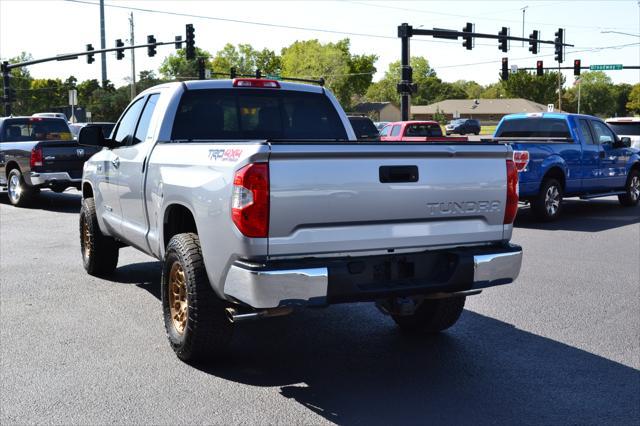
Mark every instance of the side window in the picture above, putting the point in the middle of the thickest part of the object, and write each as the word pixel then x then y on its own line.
pixel 385 131
pixel 585 132
pixel 395 131
pixel 602 132
pixel 145 119
pixel 127 124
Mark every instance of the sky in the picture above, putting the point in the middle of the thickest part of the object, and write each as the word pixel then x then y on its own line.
pixel 603 32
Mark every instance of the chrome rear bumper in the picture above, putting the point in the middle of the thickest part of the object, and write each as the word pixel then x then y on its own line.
pixel 51 178
pixel 264 287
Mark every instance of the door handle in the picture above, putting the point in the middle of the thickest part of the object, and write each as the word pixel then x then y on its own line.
pixel 116 162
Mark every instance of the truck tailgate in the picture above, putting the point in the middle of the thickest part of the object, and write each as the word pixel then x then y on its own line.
pixel 341 198
pixel 64 156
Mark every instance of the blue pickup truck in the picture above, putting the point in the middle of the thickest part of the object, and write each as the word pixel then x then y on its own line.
pixel 569 155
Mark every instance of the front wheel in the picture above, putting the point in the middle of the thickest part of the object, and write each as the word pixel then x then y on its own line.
pixel 194 317
pixel 20 194
pixel 432 315
pixel 632 190
pixel 546 206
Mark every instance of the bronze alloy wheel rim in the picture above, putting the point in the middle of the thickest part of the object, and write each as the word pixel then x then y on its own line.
pixel 178 297
pixel 86 239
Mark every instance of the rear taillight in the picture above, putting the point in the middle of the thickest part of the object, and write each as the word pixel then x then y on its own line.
pixel 36 158
pixel 511 207
pixel 250 200
pixel 256 82
pixel 521 158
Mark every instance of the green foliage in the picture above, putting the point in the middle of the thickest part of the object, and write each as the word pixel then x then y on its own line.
pixel 440 117
pixel 246 60
pixel 529 86
pixel 597 95
pixel 333 62
pixel 633 104
pixel 176 66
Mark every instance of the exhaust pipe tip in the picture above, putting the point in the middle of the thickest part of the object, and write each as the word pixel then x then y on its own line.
pixel 233 315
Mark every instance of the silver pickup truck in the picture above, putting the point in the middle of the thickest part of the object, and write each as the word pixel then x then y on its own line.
pixel 257 198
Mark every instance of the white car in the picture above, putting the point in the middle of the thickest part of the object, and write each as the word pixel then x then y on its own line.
pixel 51 115
pixel 626 127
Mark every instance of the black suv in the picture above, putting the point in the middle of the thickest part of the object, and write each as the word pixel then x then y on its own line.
pixel 364 128
pixel 463 126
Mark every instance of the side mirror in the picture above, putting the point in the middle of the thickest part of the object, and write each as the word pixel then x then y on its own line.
pixel 91 135
pixel 625 141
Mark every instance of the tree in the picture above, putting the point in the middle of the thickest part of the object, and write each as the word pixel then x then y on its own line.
pixel 430 87
pixel 334 63
pixel 177 67
pixel 597 96
pixel 633 105
pixel 621 93
pixel 245 59
pixel 21 84
pixel 493 91
pixel 471 88
pixel 525 85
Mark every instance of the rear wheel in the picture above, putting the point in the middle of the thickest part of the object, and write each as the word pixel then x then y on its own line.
pixel 20 194
pixel 546 206
pixel 432 315
pixel 99 252
pixel 194 317
pixel 632 188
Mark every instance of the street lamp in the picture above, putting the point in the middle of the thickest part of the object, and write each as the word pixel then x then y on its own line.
pixel 524 9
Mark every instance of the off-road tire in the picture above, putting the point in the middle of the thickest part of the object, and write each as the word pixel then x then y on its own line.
pixel 631 197
pixel 432 315
pixel 99 251
pixel 208 330
pixel 23 194
pixel 540 206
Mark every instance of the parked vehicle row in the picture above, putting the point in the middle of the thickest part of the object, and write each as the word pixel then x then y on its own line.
pixel 258 198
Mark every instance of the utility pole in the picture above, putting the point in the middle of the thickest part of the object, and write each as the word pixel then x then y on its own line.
pixel 133 60
pixel 559 88
pixel 103 46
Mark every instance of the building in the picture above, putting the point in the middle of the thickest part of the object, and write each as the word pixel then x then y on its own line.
pixel 378 111
pixel 488 111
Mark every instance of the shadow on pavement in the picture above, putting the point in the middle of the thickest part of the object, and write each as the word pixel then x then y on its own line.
pixel 65 202
pixel 350 364
pixel 583 216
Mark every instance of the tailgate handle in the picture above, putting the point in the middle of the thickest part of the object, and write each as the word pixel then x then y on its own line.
pixel 395 174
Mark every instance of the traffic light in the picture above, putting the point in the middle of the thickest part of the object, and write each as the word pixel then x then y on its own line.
pixel 539 69
pixel 576 66
pixel 232 73
pixel 468 38
pixel 178 42
pixel 90 58
pixel 558 43
pixel 191 42
pixel 533 42
pixel 201 68
pixel 119 52
pixel 505 69
pixel 151 50
pixel 502 39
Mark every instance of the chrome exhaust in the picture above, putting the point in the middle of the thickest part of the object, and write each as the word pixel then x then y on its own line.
pixel 234 316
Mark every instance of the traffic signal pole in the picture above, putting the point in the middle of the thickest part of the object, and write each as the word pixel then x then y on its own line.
pixel 6 90
pixel 405 95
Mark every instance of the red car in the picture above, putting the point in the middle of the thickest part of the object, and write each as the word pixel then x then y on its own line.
pixel 416 131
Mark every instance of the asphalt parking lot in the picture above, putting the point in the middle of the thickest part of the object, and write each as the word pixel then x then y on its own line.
pixel 559 346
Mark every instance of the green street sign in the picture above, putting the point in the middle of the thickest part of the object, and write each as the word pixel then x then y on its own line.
pixel 608 67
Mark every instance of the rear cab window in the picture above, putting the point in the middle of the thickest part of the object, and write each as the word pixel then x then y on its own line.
pixel 232 114
pixel 423 130
pixel 534 127
pixel 35 129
